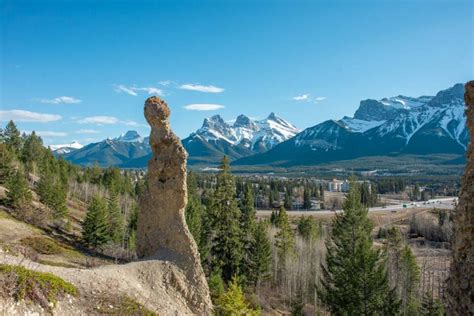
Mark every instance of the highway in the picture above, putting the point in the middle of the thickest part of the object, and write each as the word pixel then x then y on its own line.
pixel 442 203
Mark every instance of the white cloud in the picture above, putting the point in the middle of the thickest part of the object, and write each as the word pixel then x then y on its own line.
pixel 201 88
pixel 121 88
pixel 134 89
pixel 27 116
pixel 50 134
pixel 61 100
pixel 320 99
pixel 165 83
pixel 87 131
pixel 303 97
pixel 133 123
pixel 203 107
pixel 99 120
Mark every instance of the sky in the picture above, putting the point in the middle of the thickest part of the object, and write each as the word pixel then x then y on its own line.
pixel 81 70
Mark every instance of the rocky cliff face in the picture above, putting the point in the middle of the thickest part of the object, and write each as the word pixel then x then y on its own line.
pixel 162 231
pixel 461 281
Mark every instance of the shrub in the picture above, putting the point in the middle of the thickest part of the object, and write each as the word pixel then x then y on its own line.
pixel 38 287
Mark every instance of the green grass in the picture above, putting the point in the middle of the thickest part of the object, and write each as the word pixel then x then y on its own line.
pixel 38 287
pixel 43 245
pixel 124 305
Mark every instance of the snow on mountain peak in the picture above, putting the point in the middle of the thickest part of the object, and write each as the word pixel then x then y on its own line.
pixel 130 136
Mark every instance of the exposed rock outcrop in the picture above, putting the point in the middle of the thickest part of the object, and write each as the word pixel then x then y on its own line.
pixel 162 231
pixel 461 280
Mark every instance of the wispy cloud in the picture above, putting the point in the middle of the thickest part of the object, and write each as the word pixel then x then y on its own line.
pixel 319 99
pixel 61 100
pixel 27 116
pixel 133 123
pixel 203 107
pixel 133 90
pixel 201 88
pixel 303 97
pixel 50 134
pixel 99 120
pixel 307 98
pixel 87 131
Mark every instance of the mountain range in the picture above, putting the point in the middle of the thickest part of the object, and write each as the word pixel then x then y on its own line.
pixel 390 126
pixel 240 138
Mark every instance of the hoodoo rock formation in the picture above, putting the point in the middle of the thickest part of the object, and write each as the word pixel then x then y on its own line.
pixel 162 231
pixel 461 280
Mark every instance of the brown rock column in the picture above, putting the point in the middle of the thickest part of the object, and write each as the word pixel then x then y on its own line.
pixel 162 231
pixel 461 280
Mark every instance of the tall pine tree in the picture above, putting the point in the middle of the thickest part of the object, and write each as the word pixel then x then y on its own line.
pixel 226 244
pixel 194 208
pixel 95 230
pixel 354 278
pixel 18 194
pixel 259 266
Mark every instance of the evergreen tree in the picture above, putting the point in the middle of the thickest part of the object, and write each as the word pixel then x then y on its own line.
pixel 288 199
pixel 31 151
pixel 194 208
pixel 284 239
pixel 354 278
pixel 260 256
pixel 307 199
pixel 94 228
pixel 248 226
pixel 226 244
pixel 408 285
pixel 431 306
pixel 52 193
pixel 233 301
pixel 12 137
pixel 18 194
pixel 216 284
pixel 115 219
pixel 6 163
pixel 307 228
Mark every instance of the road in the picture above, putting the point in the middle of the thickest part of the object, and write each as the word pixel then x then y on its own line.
pixel 442 203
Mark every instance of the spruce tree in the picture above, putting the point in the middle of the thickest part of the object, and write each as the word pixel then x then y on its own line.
pixel 307 228
pixel 408 283
pixel 6 163
pixel 288 199
pixel 115 219
pixel 12 137
pixel 31 151
pixel 354 278
pixel 194 208
pixel 307 199
pixel 233 301
pixel 18 194
pixel 247 226
pixel 226 244
pixel 285 238
pixel 95 230
pixel 260 256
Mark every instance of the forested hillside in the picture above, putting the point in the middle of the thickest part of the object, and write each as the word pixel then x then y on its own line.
pixel 254 265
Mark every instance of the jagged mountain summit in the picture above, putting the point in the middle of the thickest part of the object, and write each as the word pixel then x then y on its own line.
pixel 390 126
pixel 241 138
pixel 111 151
pixel 65 148
pixel 208 144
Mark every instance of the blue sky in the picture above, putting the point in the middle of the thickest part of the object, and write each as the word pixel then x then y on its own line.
pixel 81 70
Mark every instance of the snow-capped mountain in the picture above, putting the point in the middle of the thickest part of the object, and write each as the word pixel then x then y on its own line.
pixel 111 151
pixel 65 148
pixel 397 125
pixel 241 138
pixel 130 137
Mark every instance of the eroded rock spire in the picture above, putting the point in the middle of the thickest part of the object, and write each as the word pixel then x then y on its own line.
pixel 461 280
pixel 162 231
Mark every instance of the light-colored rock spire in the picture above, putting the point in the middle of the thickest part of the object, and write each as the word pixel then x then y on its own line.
pixel 162 231
pixel 461 280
